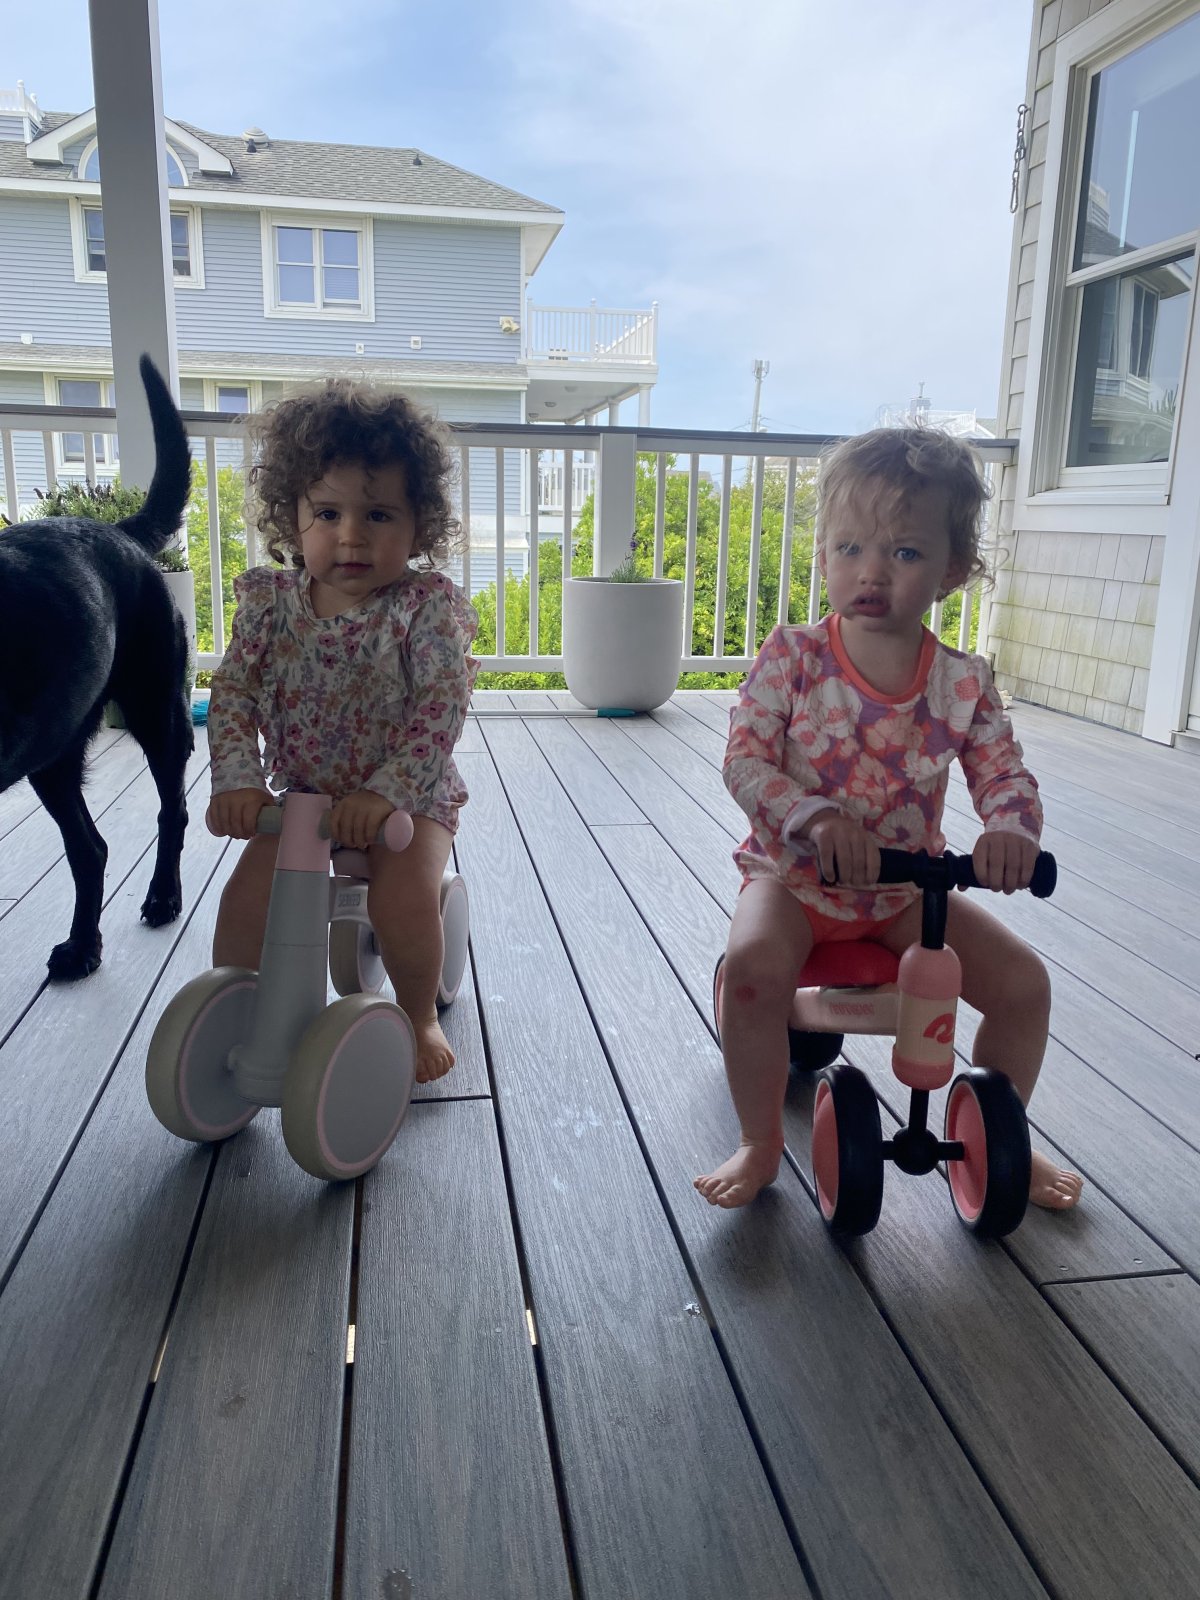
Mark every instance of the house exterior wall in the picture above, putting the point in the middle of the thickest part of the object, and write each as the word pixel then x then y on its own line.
pixel 1073 613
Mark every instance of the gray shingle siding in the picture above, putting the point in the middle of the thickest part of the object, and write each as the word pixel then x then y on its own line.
pixel 38 292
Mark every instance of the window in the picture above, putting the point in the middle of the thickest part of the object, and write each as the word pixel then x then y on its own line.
pixel 75 392
pixel 317 270
pixel 186 264
pixel 233 399
pixel 1133 264
pixel 89 169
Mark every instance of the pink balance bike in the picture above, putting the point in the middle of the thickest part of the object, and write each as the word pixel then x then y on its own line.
pixel 862 987
pixel 232 1041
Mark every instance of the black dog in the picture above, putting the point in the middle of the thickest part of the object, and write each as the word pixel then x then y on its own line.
pixel 86 617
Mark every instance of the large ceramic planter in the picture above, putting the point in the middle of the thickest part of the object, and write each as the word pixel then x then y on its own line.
pixel 622 642
pixel 183 591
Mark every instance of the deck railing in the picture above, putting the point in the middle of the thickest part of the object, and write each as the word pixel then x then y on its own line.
pixel 591 334
pixel 502 490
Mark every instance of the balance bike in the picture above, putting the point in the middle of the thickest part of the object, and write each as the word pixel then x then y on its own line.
pixel 862 987
pixel 232 1040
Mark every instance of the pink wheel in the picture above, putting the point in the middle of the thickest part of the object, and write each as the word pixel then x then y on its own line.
pixel 847 1151
pixel 989 1183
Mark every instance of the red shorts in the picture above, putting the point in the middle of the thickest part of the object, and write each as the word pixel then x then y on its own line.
pixel 833 930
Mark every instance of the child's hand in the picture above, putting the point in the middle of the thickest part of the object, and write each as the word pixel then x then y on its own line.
pixel 235 815
pixel 1004 861
pixel 356 820
pixel 845 851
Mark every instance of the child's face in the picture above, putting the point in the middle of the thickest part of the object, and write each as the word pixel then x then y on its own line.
pixel 883 573
pixel 357 530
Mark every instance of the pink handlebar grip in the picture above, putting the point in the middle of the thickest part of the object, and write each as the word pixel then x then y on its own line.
pixel 396 833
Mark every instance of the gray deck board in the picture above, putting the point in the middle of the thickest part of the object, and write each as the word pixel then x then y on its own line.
pixel 810 1353
pixel 717 1403
pixel 450 1480
pixel 636 1386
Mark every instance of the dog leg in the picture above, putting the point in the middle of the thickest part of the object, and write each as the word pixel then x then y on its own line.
pixel 166 736
pixel 60 789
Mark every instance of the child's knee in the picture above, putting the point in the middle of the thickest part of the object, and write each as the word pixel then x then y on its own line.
pixel 758 972
pixel 1025 984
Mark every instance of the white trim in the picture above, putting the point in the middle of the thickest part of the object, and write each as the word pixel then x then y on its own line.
pixel 330 205
pixel 76 469
pixel 48 147
pixel 84 274
pixel 269 220
pixel 396 367
pixel 252 386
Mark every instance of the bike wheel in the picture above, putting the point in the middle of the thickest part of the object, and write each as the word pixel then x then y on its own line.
pixel 989 1185
pixel 188 1079
pixel 355 964
pixel 847 1150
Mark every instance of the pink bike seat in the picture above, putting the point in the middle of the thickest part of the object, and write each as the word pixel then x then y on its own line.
pixel 856 964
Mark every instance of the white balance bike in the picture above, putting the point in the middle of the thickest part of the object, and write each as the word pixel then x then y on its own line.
pixel 232 1040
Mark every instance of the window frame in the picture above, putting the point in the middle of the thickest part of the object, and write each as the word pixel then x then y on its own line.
pixel 85 274
pixel 273 307
pixel 52 384
pixel 1045 482
pixel 252 386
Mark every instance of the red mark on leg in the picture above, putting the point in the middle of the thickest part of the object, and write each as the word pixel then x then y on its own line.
pixel 745 992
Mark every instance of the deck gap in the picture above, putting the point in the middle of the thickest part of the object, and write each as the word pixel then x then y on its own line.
pixel 1115 1277
pixel 543 1382
pixel 337 1579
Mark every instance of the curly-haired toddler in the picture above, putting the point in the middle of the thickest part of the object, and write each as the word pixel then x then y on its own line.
pixel 354 665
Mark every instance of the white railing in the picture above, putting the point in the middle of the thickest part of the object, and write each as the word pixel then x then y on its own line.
pixel 591 334
pixel 16 103
pixel 551 484
pixel 768 476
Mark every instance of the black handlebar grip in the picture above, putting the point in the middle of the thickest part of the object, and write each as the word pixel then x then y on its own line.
pixel 909 866
pixel 1045 876
pixel 900 866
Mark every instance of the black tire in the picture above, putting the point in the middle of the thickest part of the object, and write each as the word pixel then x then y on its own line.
pixel 990 1186
pixel 847 1151
pixel 812 1052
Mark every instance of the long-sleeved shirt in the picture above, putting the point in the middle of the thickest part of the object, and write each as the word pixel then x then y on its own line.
pixel 809 732
pixel 373 698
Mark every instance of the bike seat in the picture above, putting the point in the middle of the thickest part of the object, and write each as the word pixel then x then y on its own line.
pixel 856 964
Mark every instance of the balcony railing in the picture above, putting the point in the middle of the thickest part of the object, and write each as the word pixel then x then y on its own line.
pixel 582 334
pixel 509 475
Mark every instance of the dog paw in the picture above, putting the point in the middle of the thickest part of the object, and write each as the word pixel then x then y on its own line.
pixel 73 959
pixel 159 909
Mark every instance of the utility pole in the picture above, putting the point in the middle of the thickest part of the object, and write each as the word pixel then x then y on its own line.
pixel 761 368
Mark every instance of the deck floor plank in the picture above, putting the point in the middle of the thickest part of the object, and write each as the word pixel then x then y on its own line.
pixel 450 1482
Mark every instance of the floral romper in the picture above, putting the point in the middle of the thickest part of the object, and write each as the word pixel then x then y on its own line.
pixel 373 698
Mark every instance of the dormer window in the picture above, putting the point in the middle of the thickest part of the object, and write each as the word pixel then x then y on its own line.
pixel 89 167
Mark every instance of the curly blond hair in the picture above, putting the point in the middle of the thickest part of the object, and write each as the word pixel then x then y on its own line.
pixel 881 471
pixel 346 422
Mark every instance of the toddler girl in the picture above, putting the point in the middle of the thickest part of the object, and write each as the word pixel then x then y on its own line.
pixel 354 666
pixel 841 742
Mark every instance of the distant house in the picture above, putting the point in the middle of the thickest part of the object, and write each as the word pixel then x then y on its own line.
pixel 292 260
pixel 1098 612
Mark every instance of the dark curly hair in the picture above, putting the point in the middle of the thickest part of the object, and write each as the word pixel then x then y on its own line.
pixel 346 422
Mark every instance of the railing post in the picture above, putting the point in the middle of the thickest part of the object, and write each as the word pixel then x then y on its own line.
pixel 616 501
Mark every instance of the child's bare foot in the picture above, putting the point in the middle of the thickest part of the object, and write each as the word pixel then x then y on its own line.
pixel 1053 1186
pixel 738 1180
pixel 434 1055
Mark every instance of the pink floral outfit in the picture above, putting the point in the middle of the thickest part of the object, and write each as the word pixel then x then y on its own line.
pixel 809 732
pixel 373 698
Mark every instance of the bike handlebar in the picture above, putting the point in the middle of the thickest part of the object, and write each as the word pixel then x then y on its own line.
pixel 953 871
pixel 396 833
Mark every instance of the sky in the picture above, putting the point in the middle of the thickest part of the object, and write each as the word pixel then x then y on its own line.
pixel 822 184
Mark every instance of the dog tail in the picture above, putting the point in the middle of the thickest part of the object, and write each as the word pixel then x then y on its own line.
pixel 156 524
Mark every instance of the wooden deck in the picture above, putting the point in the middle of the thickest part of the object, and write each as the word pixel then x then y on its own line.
pixel 717 1404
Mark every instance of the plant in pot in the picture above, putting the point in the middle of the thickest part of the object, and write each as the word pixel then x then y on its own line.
pixel 113 502
pixel 622 637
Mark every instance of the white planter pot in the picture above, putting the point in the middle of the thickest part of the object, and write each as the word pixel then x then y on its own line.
pixel 183 591
pixel 622 642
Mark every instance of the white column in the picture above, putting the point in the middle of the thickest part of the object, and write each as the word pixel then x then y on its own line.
pixel 616 491
pixel 137 242
pixel 644 406
pixel 614 414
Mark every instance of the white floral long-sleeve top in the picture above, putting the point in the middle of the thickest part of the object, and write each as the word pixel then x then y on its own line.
pixel 373 698
pixel 809 732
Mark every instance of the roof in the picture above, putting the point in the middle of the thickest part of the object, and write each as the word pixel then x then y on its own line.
pixel 289 167
pixel 242 364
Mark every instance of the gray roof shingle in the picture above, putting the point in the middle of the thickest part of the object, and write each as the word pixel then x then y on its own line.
pixel 308 171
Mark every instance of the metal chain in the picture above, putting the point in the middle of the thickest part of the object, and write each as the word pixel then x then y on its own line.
pixel 1019 155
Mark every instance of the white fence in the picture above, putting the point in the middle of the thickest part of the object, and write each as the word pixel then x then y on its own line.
pixel 591 333
pixel 489 455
